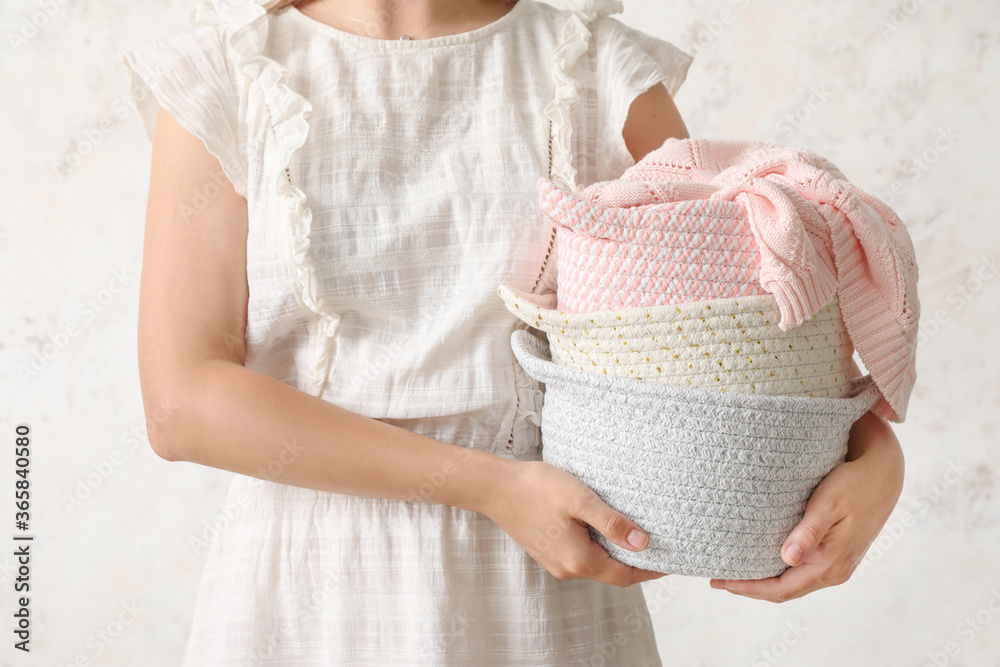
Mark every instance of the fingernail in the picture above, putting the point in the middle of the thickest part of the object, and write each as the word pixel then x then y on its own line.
pixel 794 553
pixel 732 586
pixel 636 538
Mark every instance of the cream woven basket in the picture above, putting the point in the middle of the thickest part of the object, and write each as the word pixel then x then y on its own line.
pixel 723 344
pixel 717 479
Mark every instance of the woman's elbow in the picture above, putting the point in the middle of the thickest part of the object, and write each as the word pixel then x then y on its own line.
pixel 162 413
pixel 169 401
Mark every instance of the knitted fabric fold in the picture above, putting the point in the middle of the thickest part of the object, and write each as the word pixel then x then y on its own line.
pixel 815 236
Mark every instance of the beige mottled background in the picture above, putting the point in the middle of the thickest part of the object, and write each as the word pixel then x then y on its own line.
pixel 902 96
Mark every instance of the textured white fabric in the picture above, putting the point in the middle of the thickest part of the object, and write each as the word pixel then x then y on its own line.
pixel 390 188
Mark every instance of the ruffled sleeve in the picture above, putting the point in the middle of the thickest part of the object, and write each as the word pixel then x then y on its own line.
pixel 629 62
pixel 189 75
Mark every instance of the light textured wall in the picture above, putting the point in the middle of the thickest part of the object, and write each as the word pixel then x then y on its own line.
pixel 898 95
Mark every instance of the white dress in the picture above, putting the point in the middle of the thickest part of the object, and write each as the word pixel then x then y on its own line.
pixel 391 189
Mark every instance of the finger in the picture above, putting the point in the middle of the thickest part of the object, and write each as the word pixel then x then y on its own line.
pixel 805 538
pixel 792 583
pixel 610 571
pixel 613 524
pixel 650 574
pixel 641 575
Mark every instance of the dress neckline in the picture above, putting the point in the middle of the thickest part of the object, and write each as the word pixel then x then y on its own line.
pixel 431 42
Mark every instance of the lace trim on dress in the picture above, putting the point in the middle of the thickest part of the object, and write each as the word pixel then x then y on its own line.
pixel 289 112
pixel 574 40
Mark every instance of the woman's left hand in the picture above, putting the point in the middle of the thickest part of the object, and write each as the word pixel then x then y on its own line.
pixel 843 517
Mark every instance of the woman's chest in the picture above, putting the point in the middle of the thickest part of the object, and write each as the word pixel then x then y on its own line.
pixel 425 130
pixel 422 179
pixel 417 174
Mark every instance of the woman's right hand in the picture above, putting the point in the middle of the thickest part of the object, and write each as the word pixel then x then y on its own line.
pixel 546 510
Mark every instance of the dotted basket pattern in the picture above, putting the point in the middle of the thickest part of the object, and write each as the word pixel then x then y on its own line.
pixel 723 344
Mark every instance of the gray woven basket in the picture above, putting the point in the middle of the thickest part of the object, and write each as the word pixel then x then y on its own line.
pixel 717 479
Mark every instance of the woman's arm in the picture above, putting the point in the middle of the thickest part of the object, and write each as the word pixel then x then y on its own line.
pixel 872 434
pixel 213 410
pixel 652 119
pixel 208 408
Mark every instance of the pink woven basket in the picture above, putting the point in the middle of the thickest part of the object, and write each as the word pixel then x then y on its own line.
pixel 658 254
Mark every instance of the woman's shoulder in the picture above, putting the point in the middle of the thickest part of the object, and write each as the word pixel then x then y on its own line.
pixel 245 42
pixel 594 16
pixel 203 77
pixel 599 29
pixel 199 56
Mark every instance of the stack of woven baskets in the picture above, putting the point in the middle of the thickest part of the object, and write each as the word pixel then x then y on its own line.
pixel 672 391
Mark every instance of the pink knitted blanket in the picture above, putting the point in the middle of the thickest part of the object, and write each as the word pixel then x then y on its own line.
pixel 747 218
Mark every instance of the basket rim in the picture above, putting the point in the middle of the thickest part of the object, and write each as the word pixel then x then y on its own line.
pixel 534 357
pixel 545 315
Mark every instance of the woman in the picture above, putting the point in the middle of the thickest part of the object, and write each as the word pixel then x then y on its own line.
pixel 337 188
